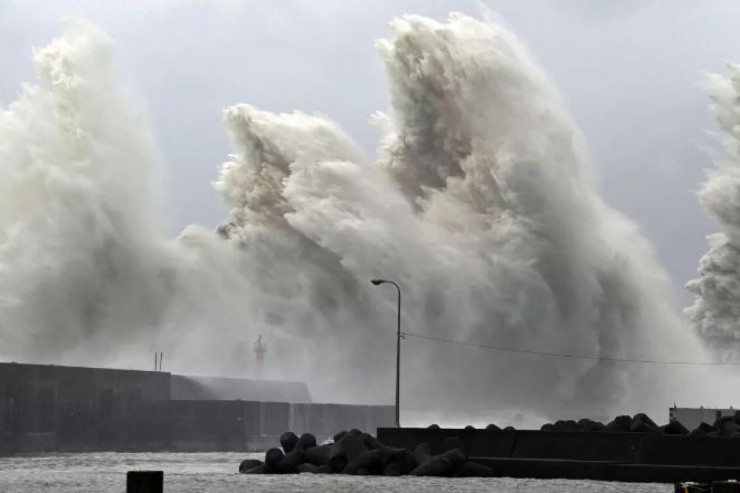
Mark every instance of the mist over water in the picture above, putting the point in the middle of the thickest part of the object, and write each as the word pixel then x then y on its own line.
pixel 479 204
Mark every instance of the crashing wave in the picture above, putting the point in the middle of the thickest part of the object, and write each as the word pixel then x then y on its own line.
pixel 479 205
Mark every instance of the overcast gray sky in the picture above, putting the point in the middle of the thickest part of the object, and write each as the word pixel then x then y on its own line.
pixel 629 71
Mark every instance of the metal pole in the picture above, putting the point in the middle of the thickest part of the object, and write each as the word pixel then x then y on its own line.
pixel 398 362
pixel 377 282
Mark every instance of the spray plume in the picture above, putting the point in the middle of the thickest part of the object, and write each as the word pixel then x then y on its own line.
pixel 715 314
pixel 479 205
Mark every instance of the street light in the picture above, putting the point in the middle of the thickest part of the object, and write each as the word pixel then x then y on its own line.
pixel 378 282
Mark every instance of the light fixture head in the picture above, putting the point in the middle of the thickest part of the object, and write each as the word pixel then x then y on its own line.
pixel 377 282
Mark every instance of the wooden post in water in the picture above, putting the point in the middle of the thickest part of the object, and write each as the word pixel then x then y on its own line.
pixel 144 482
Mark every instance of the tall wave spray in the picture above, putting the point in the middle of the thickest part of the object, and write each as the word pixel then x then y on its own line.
pixel 478 205
pixel 715 314
pixel 77 243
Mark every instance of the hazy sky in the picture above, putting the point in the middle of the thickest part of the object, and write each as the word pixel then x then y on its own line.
pixel 628 70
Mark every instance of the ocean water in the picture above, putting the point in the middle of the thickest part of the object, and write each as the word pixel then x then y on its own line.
pixel 217 472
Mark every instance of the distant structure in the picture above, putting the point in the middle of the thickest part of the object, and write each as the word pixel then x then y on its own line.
pixel 691 417
pixel 259 350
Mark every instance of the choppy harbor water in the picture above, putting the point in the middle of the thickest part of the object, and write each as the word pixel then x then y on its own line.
pixel 217 472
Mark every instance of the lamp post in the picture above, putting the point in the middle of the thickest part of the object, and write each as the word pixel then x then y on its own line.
pixel 378 282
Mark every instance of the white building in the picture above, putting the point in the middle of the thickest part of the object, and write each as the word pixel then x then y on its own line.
pixel 691 417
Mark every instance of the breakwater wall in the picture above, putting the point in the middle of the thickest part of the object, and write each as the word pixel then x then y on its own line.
pixel 46 408
pixel 257 426
pixel 57 408
pixel 606 456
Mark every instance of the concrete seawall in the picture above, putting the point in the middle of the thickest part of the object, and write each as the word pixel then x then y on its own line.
pixel 606 456
pixel 78 409
pixel 255 426
pixel 46 408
